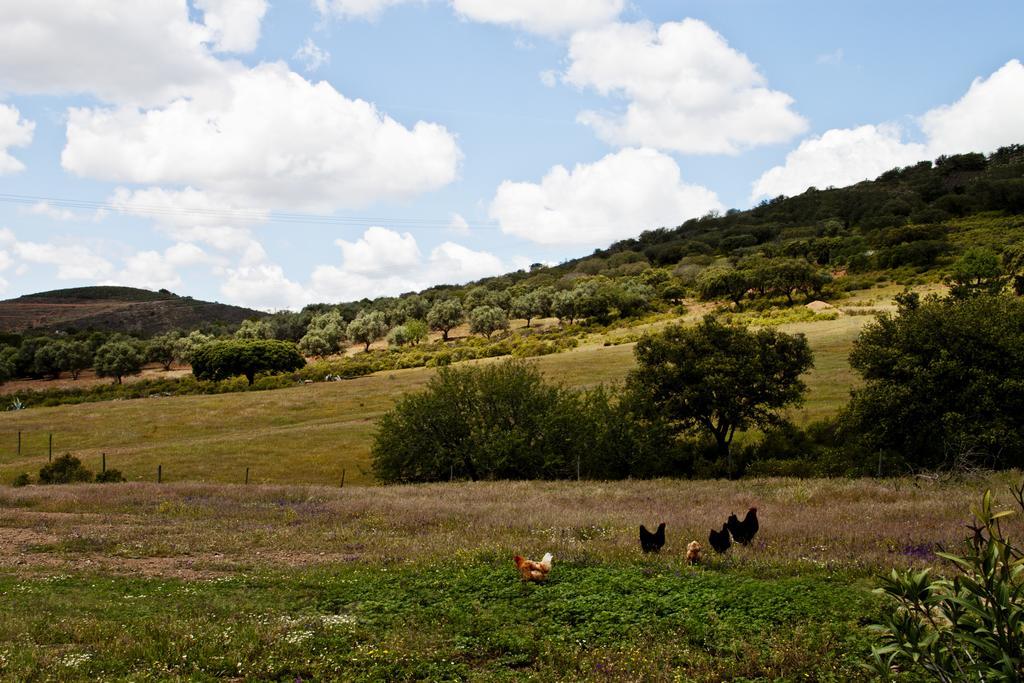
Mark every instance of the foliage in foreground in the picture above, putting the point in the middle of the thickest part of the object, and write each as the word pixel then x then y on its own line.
pixel 467 620
pixel 968 628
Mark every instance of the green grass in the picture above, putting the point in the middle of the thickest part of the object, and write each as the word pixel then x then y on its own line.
pixel 472 619
pixel 311 433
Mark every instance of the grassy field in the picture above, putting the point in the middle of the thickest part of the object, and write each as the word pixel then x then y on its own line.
pixel 227 582
pixel 311 433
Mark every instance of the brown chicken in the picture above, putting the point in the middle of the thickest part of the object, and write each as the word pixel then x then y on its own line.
pixel 529 570
pixel 693 551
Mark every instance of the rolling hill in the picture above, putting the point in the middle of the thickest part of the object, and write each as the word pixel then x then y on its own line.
pixel 116 309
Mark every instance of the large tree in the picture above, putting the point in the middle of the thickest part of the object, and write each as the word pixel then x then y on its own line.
pixel 232 357
pixel 487 320
pixel 944 382
pixel 720 379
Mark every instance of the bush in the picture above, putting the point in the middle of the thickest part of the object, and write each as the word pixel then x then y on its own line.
pixel 110 476
pixel 67 469
pixel 499 421
pixel 967 628
pixel 22 480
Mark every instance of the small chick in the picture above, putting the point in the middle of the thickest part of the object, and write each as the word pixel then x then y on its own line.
pixel 693 551
pixel 533 571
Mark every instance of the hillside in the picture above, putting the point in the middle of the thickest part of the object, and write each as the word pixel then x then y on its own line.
pixel 115 309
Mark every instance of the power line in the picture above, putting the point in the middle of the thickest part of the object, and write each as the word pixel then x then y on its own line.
pixel 241 215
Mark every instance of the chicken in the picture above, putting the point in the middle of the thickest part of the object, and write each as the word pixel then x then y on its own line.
pixel 530 570
pixel 651 543
pixel 719 540
pixel 693 551
pixel 743 532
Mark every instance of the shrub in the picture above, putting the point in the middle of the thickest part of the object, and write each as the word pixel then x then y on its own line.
pixel 968 628
pixel 110 476
pixel 22 480
pixel 67 469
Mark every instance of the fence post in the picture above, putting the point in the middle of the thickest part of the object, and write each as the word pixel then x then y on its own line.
pixel 51 447
pixel 577 467
pixel 19 443
pixel 246 475
pixel 104 465
pixel 342 479
pixel 159 473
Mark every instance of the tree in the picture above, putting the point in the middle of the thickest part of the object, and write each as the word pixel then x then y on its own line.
pixel 724 283
pixel 330 326
pixel 232 357
pixel 978 271
pixel 496 421
pixel 564 306
pixel 186 346
pixel 50 359
pixel 416 331
pixel 8 363
pixel 315 344
pixel 160 349
pixel 720 379
pixel 943 383
pixel 254 329
pixel 77 357
pixel 367 328
pixel 487 320
pixel 118 359
pixel 444 315
pixel 1013 264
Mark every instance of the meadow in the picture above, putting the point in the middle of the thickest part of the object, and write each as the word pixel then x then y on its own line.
pixel 311 434
pixel 192 581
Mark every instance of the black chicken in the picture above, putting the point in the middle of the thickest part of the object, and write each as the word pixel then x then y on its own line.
pixel 743 532
pixel 719 540
pixel 651 543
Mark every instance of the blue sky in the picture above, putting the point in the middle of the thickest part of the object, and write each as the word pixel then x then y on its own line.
pixel 272 154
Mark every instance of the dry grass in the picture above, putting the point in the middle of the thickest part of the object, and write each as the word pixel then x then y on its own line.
pixel 202 529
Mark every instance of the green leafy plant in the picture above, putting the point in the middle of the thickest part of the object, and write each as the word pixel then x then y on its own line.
pixel 966 628
pixel 111 476
pixel 21 480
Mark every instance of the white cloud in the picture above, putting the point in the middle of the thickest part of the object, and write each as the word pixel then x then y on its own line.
pixel 119 51
pixel 459 224
pixel 73 261
pixel 312 56
pixel 839 157
pixel 186 254
pixel 541 16
pixel 356 9
pixel 53 212
pixel 687 89
pixel 536 16
pixel 834 58
pixel 234 25
pixel 380 250
pixel 369 268
pixel 14 132
pixel 269 138
pixel 549 78
pixel 616 197
pixel 988 116
pixel 265 287
pixel 985 118
pixel 148 270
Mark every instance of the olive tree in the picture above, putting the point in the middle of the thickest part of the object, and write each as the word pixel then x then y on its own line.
pixel 119 359
pixel 487 320
pixel 444 315
pixel 367 328
pixel 254 329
